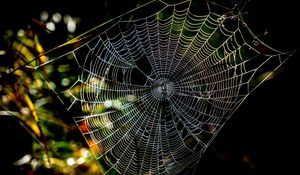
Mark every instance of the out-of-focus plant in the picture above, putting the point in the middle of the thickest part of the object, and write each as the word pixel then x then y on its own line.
pixel 57 145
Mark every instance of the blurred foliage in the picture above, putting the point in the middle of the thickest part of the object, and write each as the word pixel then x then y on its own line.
pixel 39 136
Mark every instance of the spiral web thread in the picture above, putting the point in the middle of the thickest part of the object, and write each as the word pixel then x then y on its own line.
pixel 155 90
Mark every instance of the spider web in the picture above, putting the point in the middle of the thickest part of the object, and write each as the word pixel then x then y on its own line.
pixel 154 86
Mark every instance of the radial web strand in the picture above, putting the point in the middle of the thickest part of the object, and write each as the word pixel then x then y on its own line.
pixel 155 88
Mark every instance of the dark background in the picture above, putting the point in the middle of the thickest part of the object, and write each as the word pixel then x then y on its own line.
pixel 261 137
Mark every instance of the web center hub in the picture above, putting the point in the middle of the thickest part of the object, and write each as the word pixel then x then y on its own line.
pixel 163 89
